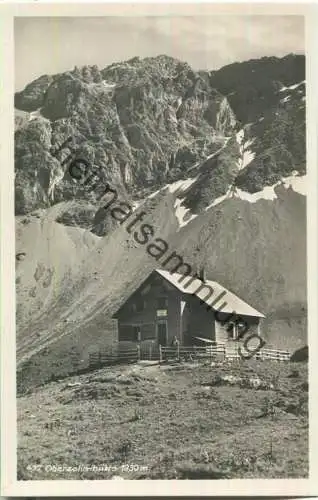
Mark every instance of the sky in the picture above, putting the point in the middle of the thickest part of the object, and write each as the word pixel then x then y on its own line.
pixel 48 45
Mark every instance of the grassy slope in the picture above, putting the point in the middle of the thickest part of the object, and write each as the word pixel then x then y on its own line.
pixel 172 423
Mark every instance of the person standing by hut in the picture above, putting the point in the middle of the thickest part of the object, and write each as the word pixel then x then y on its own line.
pixel 176 343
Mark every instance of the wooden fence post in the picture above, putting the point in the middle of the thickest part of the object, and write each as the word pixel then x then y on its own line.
pixel 160 355
pixel 138 352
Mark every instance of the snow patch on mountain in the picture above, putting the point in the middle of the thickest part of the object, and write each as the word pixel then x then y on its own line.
pixel 181 211
pixel 37 114
pixel 152 195
pixel 296 182
pixel 285 99
pixel 219 200
pixel 240 136
pixel 268 193
pixel 136 204
pixel 246 154
pixel 292 87
pixel 109 85
pixel 181 185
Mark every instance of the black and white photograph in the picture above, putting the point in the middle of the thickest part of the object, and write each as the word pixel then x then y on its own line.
pixel 161 247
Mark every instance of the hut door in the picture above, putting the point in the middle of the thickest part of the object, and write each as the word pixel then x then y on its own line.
pixel 162 332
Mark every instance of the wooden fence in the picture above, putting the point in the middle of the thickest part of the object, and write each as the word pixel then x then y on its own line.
pixel 150 352
pixel 274 354
pixel 232 353
pixel 114 355
pixel 219 351
pixel 118 354
pixel 191 353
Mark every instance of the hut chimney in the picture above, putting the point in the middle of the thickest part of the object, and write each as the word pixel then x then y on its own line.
pixel 202 274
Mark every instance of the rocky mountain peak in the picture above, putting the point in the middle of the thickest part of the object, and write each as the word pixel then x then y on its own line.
pixel 140 122
pixel 144 123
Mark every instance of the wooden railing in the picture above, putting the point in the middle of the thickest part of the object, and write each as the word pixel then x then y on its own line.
pixel 191 352
pixel 149 352
pixel 127 354
pixel 224 351
pixel 114 355
pixel 275 354
pixel 232 352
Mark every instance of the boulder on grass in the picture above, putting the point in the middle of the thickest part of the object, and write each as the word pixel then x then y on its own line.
pixel 300 355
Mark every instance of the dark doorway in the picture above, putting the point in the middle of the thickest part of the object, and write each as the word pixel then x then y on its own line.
pixel 162 332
